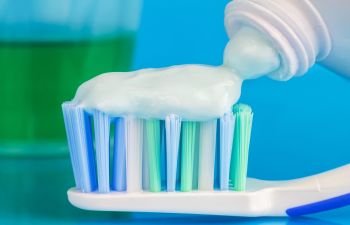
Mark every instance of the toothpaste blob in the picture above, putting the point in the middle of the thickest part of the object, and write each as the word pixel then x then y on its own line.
pixel 251 54
pixel 194 92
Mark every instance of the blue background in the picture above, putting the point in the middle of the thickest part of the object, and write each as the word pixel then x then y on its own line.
pixel 301 127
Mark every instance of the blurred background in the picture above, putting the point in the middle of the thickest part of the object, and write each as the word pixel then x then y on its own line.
pixel 47 48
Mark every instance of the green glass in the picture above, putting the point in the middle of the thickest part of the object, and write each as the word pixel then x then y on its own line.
pixel 47 49
pixel 36 77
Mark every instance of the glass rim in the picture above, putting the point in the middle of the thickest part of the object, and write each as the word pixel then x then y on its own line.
pixel 36 150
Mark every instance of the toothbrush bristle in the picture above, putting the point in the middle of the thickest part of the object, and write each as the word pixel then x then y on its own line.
pixel 119 156
pixel 78 130
pixel 134 146
pixel 102 137
pixel 227 124
pixel 188 145
pixel 153 139
pixel 239 164
pixel 154 155
pixel 172 131
pixel 207 147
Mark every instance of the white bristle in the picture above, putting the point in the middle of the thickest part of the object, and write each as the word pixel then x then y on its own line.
pixel 145 165
pixel 207 146
pixel 134 142
pixel 227 124
pixel 172 131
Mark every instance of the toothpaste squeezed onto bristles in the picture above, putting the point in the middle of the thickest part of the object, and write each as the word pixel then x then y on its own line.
pixel 193 92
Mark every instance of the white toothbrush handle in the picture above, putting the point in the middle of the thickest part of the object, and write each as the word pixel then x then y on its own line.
pixel 313 194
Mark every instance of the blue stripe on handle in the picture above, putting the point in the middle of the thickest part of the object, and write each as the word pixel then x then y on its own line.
pixel 328 204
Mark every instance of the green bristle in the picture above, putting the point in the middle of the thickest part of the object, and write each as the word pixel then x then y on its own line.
pixel 153 147
pixel 196 159
pixel 189 134
pixel 240 148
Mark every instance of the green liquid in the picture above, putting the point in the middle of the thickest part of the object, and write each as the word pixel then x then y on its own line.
pixel 36 77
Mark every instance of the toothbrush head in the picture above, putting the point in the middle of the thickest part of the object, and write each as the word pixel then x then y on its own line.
pixel 184 167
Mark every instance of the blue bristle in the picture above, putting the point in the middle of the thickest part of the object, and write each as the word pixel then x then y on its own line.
pixel 145 167
pixel 102 130
pixel 90 149
pixel 173 130
pixel 80 144
pixel 119 160
pixel 66 108
pixel 227 123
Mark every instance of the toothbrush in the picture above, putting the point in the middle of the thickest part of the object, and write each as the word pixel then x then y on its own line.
pixel 176 166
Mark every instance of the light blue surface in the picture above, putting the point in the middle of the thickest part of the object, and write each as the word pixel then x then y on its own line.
pixel 330 218
pixel 300 127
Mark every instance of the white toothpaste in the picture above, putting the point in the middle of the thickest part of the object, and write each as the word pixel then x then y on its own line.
pixel 194 92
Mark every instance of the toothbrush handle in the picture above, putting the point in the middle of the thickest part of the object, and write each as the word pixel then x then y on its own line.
pixel 335 183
